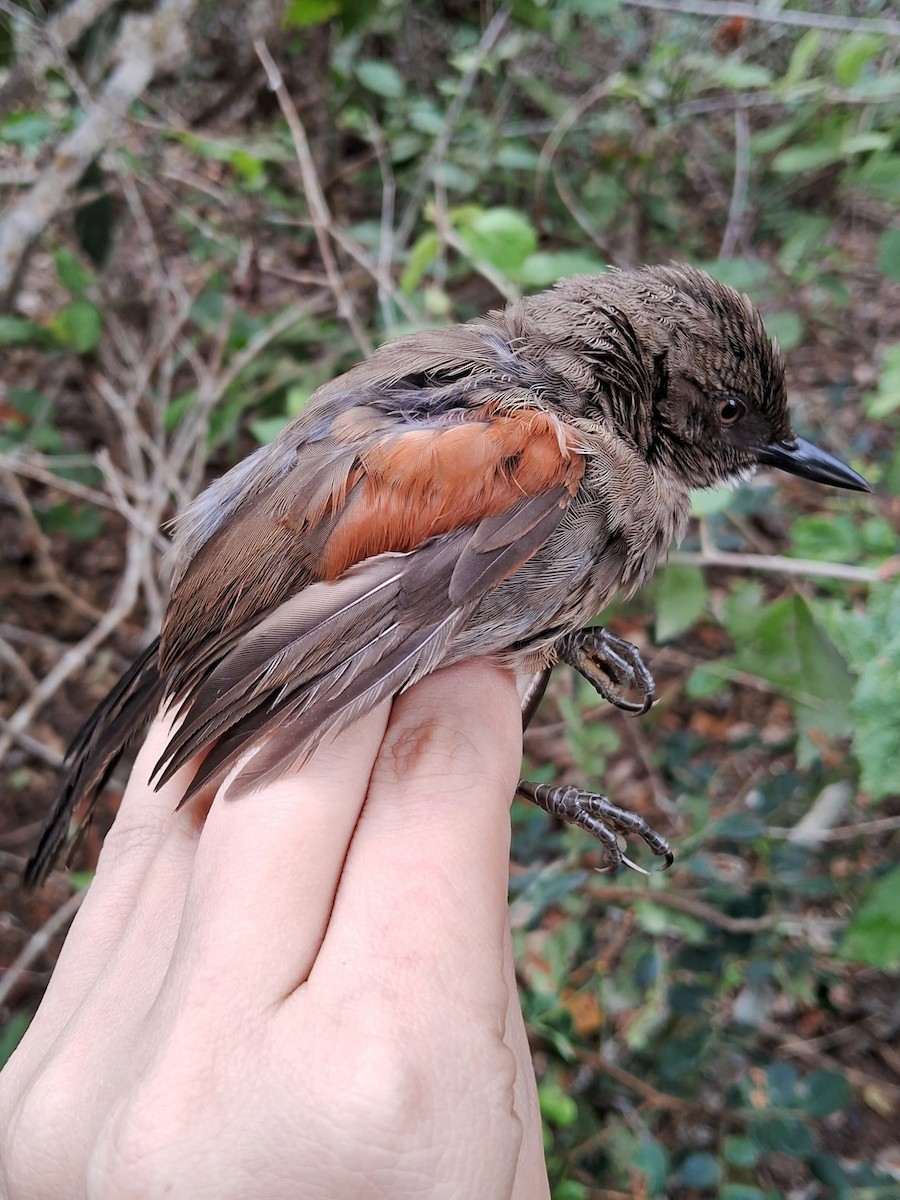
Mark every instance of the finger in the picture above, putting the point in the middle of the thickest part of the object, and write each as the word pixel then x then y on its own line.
pixel 267 868
pixel 146 820
pixel 531 1181
pixel 422 906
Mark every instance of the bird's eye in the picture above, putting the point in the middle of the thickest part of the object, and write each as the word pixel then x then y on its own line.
pixel 731 409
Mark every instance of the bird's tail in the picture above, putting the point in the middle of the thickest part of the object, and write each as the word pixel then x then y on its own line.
pixel 93 756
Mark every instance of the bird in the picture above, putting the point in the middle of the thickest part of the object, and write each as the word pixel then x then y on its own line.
pixel 478 489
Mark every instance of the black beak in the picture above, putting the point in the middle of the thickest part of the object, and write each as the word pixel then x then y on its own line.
pixel 800 457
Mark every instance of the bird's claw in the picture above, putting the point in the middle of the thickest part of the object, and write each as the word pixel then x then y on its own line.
pixel 611 665
pixel 599 817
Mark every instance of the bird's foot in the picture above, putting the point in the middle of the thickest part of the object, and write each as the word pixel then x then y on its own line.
pixel 600 818
pixel 611 665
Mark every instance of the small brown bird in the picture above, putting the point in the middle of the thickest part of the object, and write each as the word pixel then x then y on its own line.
pixel 481 489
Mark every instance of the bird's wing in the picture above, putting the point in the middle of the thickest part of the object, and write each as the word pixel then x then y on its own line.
pixel 333 569
pixel 344 582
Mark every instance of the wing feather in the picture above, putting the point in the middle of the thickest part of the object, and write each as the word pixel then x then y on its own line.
pixel 339 565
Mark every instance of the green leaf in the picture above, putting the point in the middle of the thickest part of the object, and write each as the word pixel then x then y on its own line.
pixel 300 14
pixel 76 521
pixel 828 539
pixel 592 8
pixel 421 256
pixel 709 502
pixel 830 1172
pixel 742 1191
pixel 503 237
pixel 863 143
pixel 73 274
pixel 888 257
pixel 26 129
pixel 699 1171
pixel 802 57
pixel 789 1135
pixel 380 78
pixel 743 611
pixel 740 1152
pixel 851 56
pixel 17 331
pixel 804 241
pixel 823 674
pixel 886 398
pixel 556 1106
pixel 874 934
pixel 876 699
pixel 32 404
pixel 741 76
pixel 267 429
pixel 250 167
pixel 787 327
pixel 797 160
pixel 825 1092
pixel 570 1189
pixel 12 1034
pixel 543 268
pixel 703 683
pixel 680 599
pixel 651 1159
pixel 78 325
pixel 879 537
pixel 745 274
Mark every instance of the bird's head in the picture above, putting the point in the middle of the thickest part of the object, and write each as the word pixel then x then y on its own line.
pixel 713 407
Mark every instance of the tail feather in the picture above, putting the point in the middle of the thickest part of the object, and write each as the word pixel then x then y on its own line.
pixel 93 756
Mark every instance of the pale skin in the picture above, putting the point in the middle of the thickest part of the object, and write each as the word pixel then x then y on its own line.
pixel 308 993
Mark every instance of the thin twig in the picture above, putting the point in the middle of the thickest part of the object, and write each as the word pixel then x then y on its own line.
pixel 738 205
pixel 564 124
pixel 40 543
pixel 774 16
pixel 318 207
pixel 75 656
pixel 30 637
pixel 32 469
pixel 842 833
pixel 37 944
pixel 441 144
pixel 354 250
pixel 779 563
pixel 17 664
pixel 386 232
pixel 53 758
pixel 795 1047
pixel 145 44
pixel 621 893
pixel 650 1095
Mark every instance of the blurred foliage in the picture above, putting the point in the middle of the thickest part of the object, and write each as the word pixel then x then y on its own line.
pixel 590 133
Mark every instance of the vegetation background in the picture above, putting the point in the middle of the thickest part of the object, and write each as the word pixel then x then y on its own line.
pixel 211 208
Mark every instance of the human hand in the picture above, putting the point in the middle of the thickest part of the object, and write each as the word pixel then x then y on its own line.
pixel 308 993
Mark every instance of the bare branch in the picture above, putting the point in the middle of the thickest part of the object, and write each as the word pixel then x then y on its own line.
pixel 37 944
pixel 774 16
pixel 145 46
pixel 738 206
pixel 41 546
pixel 454 112
pixel 318 207
pixel 77 655
pixel 53 758
pixel 842 833
pixel 779 563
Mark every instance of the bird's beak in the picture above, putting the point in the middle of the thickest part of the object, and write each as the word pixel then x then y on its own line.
pixel 800 457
